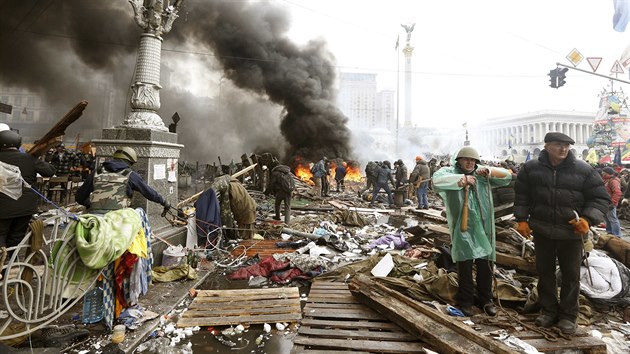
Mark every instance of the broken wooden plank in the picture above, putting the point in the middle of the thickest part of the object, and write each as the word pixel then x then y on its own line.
pixel 446 334
pixel 242 306
pixel 334 325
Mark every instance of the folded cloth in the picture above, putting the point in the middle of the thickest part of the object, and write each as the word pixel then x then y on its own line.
pixel 102 239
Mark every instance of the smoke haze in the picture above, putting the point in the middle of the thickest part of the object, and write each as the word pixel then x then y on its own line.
pixel 278 96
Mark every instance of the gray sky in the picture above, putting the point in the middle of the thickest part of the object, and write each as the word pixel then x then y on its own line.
pixel 472 60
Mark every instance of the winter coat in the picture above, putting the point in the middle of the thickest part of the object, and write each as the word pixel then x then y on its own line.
pixel 340 173
pixel 401 174
pixel 479 240
pixel 421 170
pixel 281 180
pixel 136 183
pixel 546 196
pixel 384 175
pixel 29 167
pixel 319 170
pixel 242 204
pixel 613 188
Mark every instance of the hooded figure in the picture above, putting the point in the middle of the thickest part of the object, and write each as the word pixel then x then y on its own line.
pixel 465 187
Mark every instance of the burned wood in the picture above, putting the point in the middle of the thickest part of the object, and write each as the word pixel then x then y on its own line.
pixel 445 334
pixel 59 129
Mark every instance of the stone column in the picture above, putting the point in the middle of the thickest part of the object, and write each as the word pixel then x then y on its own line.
pixel 143 129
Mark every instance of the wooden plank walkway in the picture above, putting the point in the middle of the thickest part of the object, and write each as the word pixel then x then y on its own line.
pixel 335 322
pixel 242 306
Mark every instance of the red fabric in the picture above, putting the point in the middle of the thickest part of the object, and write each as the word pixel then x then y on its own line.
pixel 613 187
pixel 264 268
pixel 122 271
pixel 286 276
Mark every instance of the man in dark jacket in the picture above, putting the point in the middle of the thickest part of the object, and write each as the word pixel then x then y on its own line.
pixel 281 184
pixel 401 174
pixel 16 214
pixel 384 176
pixel 111 186
pixel 371 171
pixel 340 174
pixel 557 199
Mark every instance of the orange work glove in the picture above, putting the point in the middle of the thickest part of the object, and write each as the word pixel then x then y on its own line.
pixel 580 226
pixel 522 227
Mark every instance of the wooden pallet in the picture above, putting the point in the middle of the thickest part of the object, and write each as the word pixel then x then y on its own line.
pixel 263 248
pixel 335 322
pixel 242 306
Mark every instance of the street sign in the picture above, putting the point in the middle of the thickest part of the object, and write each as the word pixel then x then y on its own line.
pixel 575 57
pixel 616 68
pixel 594 62
pixel 6 108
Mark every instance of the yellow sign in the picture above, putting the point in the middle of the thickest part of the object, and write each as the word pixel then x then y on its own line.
pixel 575 57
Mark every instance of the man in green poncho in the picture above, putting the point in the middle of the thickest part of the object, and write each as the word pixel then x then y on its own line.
pixel 465 188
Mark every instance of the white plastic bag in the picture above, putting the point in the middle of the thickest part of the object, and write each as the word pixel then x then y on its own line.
pixel 11 180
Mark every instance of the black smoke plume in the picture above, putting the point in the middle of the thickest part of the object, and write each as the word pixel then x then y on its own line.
pixel 65 52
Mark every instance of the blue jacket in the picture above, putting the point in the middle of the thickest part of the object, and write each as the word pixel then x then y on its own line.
pixel 136 183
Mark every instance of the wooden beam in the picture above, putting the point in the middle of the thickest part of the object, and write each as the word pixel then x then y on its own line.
pixel 59 129
pixel 445 334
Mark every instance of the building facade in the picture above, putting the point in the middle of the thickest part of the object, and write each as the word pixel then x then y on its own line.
pixel 521 135
pixel 365 107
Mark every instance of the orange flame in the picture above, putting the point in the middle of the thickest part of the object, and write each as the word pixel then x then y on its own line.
pixel 353 173
pixel 302 170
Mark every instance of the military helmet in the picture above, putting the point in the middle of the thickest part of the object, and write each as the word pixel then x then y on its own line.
pixel 10 139
pixel 470 152
pixel 126 153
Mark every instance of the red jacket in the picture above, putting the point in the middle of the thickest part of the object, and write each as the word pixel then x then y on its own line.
pixel 613 187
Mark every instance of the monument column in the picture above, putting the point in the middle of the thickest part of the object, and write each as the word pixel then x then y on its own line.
pixel 143 129
pixel 407 51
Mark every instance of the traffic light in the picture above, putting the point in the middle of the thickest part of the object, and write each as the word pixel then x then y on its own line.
pixel 553 78
pixel 562 75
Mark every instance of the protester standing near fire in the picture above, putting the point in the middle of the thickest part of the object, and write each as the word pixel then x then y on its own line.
pixel 465 189
pixel 340 174
pixel 319 174
pixel 557 198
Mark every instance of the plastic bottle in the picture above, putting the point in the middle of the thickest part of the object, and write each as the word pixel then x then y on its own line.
pixel 119 334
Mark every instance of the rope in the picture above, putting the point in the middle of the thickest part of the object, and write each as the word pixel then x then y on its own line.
pixel 548 334
pixel 64 211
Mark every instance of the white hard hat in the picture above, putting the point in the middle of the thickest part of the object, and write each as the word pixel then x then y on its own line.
pixel 4 127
